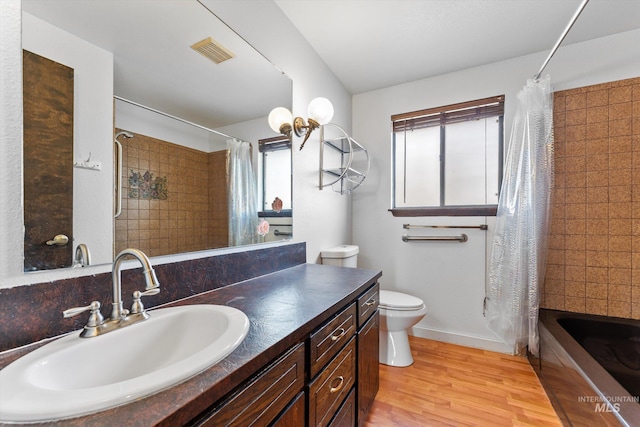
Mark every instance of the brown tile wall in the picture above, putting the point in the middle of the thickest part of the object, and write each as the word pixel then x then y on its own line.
pixel 594 257
pixel 218 206
pixel 182 222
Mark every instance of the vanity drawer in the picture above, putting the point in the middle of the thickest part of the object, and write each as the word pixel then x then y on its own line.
pixel 328 340
pixel 260 402
pixel 368 304
pixel 329 389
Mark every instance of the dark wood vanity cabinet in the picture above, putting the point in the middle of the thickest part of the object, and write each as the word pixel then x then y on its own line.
pixel 332 385
pixel 265 396
pixel 327 340
pixel 346 416
pixel 368 351
pixel 294 415
pixel 368 366
pixel 345 387
pixel 368 304
pixel 330 379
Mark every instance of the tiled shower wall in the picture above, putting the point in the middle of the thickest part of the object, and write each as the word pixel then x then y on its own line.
pixel 594 258
pixel 183 221
pixel 218 206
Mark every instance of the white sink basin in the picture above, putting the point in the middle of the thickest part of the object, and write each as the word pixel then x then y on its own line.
pixel 75 376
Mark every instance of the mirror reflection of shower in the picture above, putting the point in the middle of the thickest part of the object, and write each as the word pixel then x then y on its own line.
pixel 118 192
pixel 82 258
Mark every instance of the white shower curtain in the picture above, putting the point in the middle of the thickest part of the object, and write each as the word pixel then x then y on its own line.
pixel 243 195
pixel 518 257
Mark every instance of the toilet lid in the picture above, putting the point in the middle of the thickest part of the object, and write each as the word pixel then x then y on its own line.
pixel 399 301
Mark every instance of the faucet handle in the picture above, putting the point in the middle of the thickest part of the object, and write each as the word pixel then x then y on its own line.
pixel 137 306
pixel 95 318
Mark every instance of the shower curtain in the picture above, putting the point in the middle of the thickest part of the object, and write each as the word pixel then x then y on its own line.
pixel 518 257
pixel 243 195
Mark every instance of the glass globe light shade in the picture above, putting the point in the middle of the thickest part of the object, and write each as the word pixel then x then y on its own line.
pixel 320 110
pixel 279 116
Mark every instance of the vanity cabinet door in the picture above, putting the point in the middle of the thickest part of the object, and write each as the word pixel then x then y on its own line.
pixel 329 389
pixel 346 416
pixel 330 338
pixel 293 416
pixel 261 401
pixel 368 366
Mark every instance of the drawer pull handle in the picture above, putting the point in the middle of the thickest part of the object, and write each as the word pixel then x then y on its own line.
pixel 340 335
pixel 340 380
pixel 370 302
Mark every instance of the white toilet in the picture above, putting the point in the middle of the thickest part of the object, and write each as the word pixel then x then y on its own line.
pixel 398 312
pixel 343 255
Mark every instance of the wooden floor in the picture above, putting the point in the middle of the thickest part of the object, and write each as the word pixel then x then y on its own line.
pixel 450 385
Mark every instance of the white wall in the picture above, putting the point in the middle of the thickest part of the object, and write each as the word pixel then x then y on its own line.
pixel 250 130
pixel 320 218
pixel 11 222
pixel 450 277
pixel 137 120
pixel 147 122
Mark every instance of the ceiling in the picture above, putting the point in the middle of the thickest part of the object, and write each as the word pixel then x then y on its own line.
pixel 372 44
pixel 155 66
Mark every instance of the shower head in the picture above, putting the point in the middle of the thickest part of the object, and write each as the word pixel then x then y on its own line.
pixel 125 134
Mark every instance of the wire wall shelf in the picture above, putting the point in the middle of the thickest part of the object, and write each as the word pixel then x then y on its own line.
pixel 344 162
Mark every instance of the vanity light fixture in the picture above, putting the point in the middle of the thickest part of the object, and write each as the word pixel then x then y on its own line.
pixel 320 112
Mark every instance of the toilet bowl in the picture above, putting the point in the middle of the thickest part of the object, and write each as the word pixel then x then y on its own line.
pixel 398 312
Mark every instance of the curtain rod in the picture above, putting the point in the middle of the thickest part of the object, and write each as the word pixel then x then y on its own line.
pixel 562 36
pixel 171 116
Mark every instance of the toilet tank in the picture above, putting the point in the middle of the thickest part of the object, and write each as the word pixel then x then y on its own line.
pixel 343 255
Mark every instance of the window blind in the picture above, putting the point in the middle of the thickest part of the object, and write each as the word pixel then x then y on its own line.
pixel 275 143
pixel 449 114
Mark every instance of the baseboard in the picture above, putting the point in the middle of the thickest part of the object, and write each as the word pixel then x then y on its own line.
pixel 464 340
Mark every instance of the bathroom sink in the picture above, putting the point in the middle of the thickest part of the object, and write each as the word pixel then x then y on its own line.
pixel 75 376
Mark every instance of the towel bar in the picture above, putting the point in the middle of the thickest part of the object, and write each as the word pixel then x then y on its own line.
pixel 461 238
pixel 481 227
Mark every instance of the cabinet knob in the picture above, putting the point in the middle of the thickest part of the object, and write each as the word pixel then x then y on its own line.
pixel 340 381
pixel 340 334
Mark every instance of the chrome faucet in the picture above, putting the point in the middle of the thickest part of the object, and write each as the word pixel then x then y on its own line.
pixel 119 316
pixel 152 288
pixel 82 257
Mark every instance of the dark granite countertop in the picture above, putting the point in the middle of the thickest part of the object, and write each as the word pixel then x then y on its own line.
pixel 283 307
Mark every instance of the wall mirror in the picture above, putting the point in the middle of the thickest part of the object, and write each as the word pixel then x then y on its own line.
pixel 166 72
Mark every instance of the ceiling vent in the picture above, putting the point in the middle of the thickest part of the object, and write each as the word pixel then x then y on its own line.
pixel 212 50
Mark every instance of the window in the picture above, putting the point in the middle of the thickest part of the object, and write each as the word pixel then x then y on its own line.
pixel 274 178
pixel 448 160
